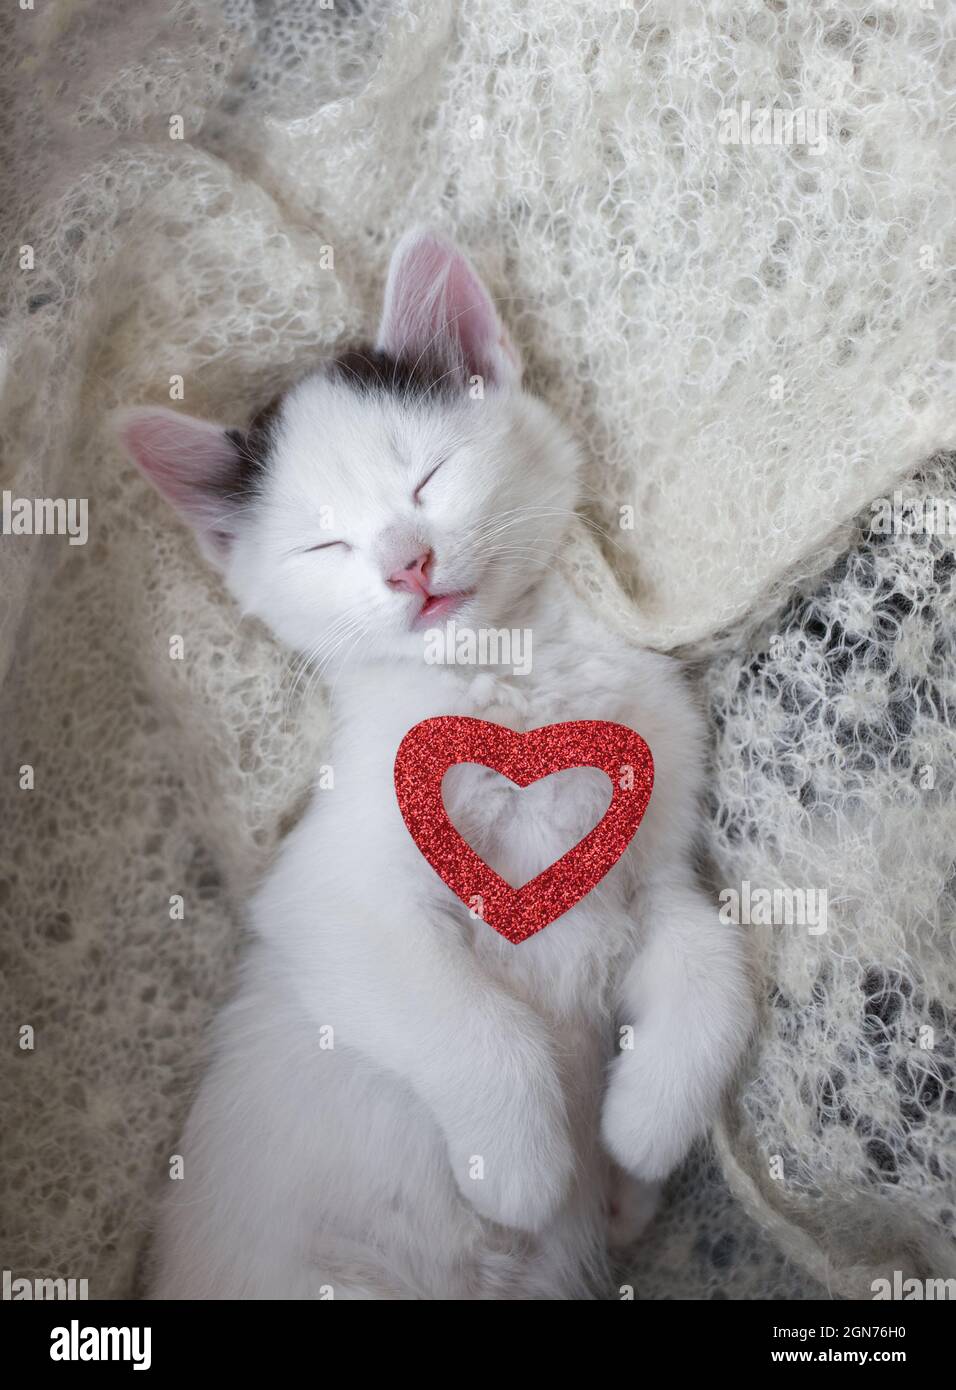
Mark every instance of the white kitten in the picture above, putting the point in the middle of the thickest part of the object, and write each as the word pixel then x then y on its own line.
pixel 457 1140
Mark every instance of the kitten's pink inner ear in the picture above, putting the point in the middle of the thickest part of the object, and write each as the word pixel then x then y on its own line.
pixel 192 463
pixel 434 301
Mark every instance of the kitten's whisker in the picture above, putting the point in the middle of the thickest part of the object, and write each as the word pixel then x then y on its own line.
pixel 532 511
pixel 496 527
pixel 326 661
pixel 358 638
pixel 523 551
pixel 300 669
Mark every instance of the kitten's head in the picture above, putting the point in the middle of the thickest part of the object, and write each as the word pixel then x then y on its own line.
pixel 395 488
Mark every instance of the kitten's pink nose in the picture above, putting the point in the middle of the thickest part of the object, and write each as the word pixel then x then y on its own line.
pixel 413 576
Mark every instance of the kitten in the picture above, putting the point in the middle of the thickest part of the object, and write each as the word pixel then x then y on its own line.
pixel 489 1116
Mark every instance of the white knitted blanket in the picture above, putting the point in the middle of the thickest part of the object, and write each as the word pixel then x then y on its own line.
pixel 748 336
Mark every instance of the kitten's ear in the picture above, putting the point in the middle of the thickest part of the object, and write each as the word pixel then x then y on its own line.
pixel 197 466
pixel 435 301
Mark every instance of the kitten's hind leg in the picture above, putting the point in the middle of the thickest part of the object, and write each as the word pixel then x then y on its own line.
pixel 277 1179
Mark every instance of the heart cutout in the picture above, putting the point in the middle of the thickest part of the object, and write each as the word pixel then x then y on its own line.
pixel 579 796
pixel 430 748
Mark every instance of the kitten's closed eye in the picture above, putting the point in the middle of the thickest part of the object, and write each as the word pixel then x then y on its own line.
pixel 427 479
pixel 325 545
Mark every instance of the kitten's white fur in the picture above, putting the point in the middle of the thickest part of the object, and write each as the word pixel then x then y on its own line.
pixel 460 1139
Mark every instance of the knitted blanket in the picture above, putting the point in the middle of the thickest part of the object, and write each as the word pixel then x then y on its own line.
pixel 722 235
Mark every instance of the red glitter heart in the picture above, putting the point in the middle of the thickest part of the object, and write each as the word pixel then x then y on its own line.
pixel 429 749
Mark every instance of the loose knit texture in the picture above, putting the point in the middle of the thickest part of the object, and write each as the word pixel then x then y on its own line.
pixel 749 342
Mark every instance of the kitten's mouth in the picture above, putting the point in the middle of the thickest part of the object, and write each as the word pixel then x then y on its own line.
pixel 440 606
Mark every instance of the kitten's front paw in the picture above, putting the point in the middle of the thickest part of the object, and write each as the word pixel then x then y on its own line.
pixel 697 1012
pixel 514 1166
pixel 652 1113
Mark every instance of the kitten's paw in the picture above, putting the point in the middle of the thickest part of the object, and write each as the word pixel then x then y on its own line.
pixel 691 997
pixel 652 1114
pixel 522 1190
pixel 516 1170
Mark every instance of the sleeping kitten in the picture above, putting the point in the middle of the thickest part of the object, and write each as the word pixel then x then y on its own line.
pixel 488 1117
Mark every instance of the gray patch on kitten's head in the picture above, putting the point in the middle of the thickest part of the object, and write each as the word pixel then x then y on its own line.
pixel 364 369
pixel 253 449
pixel 425 375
